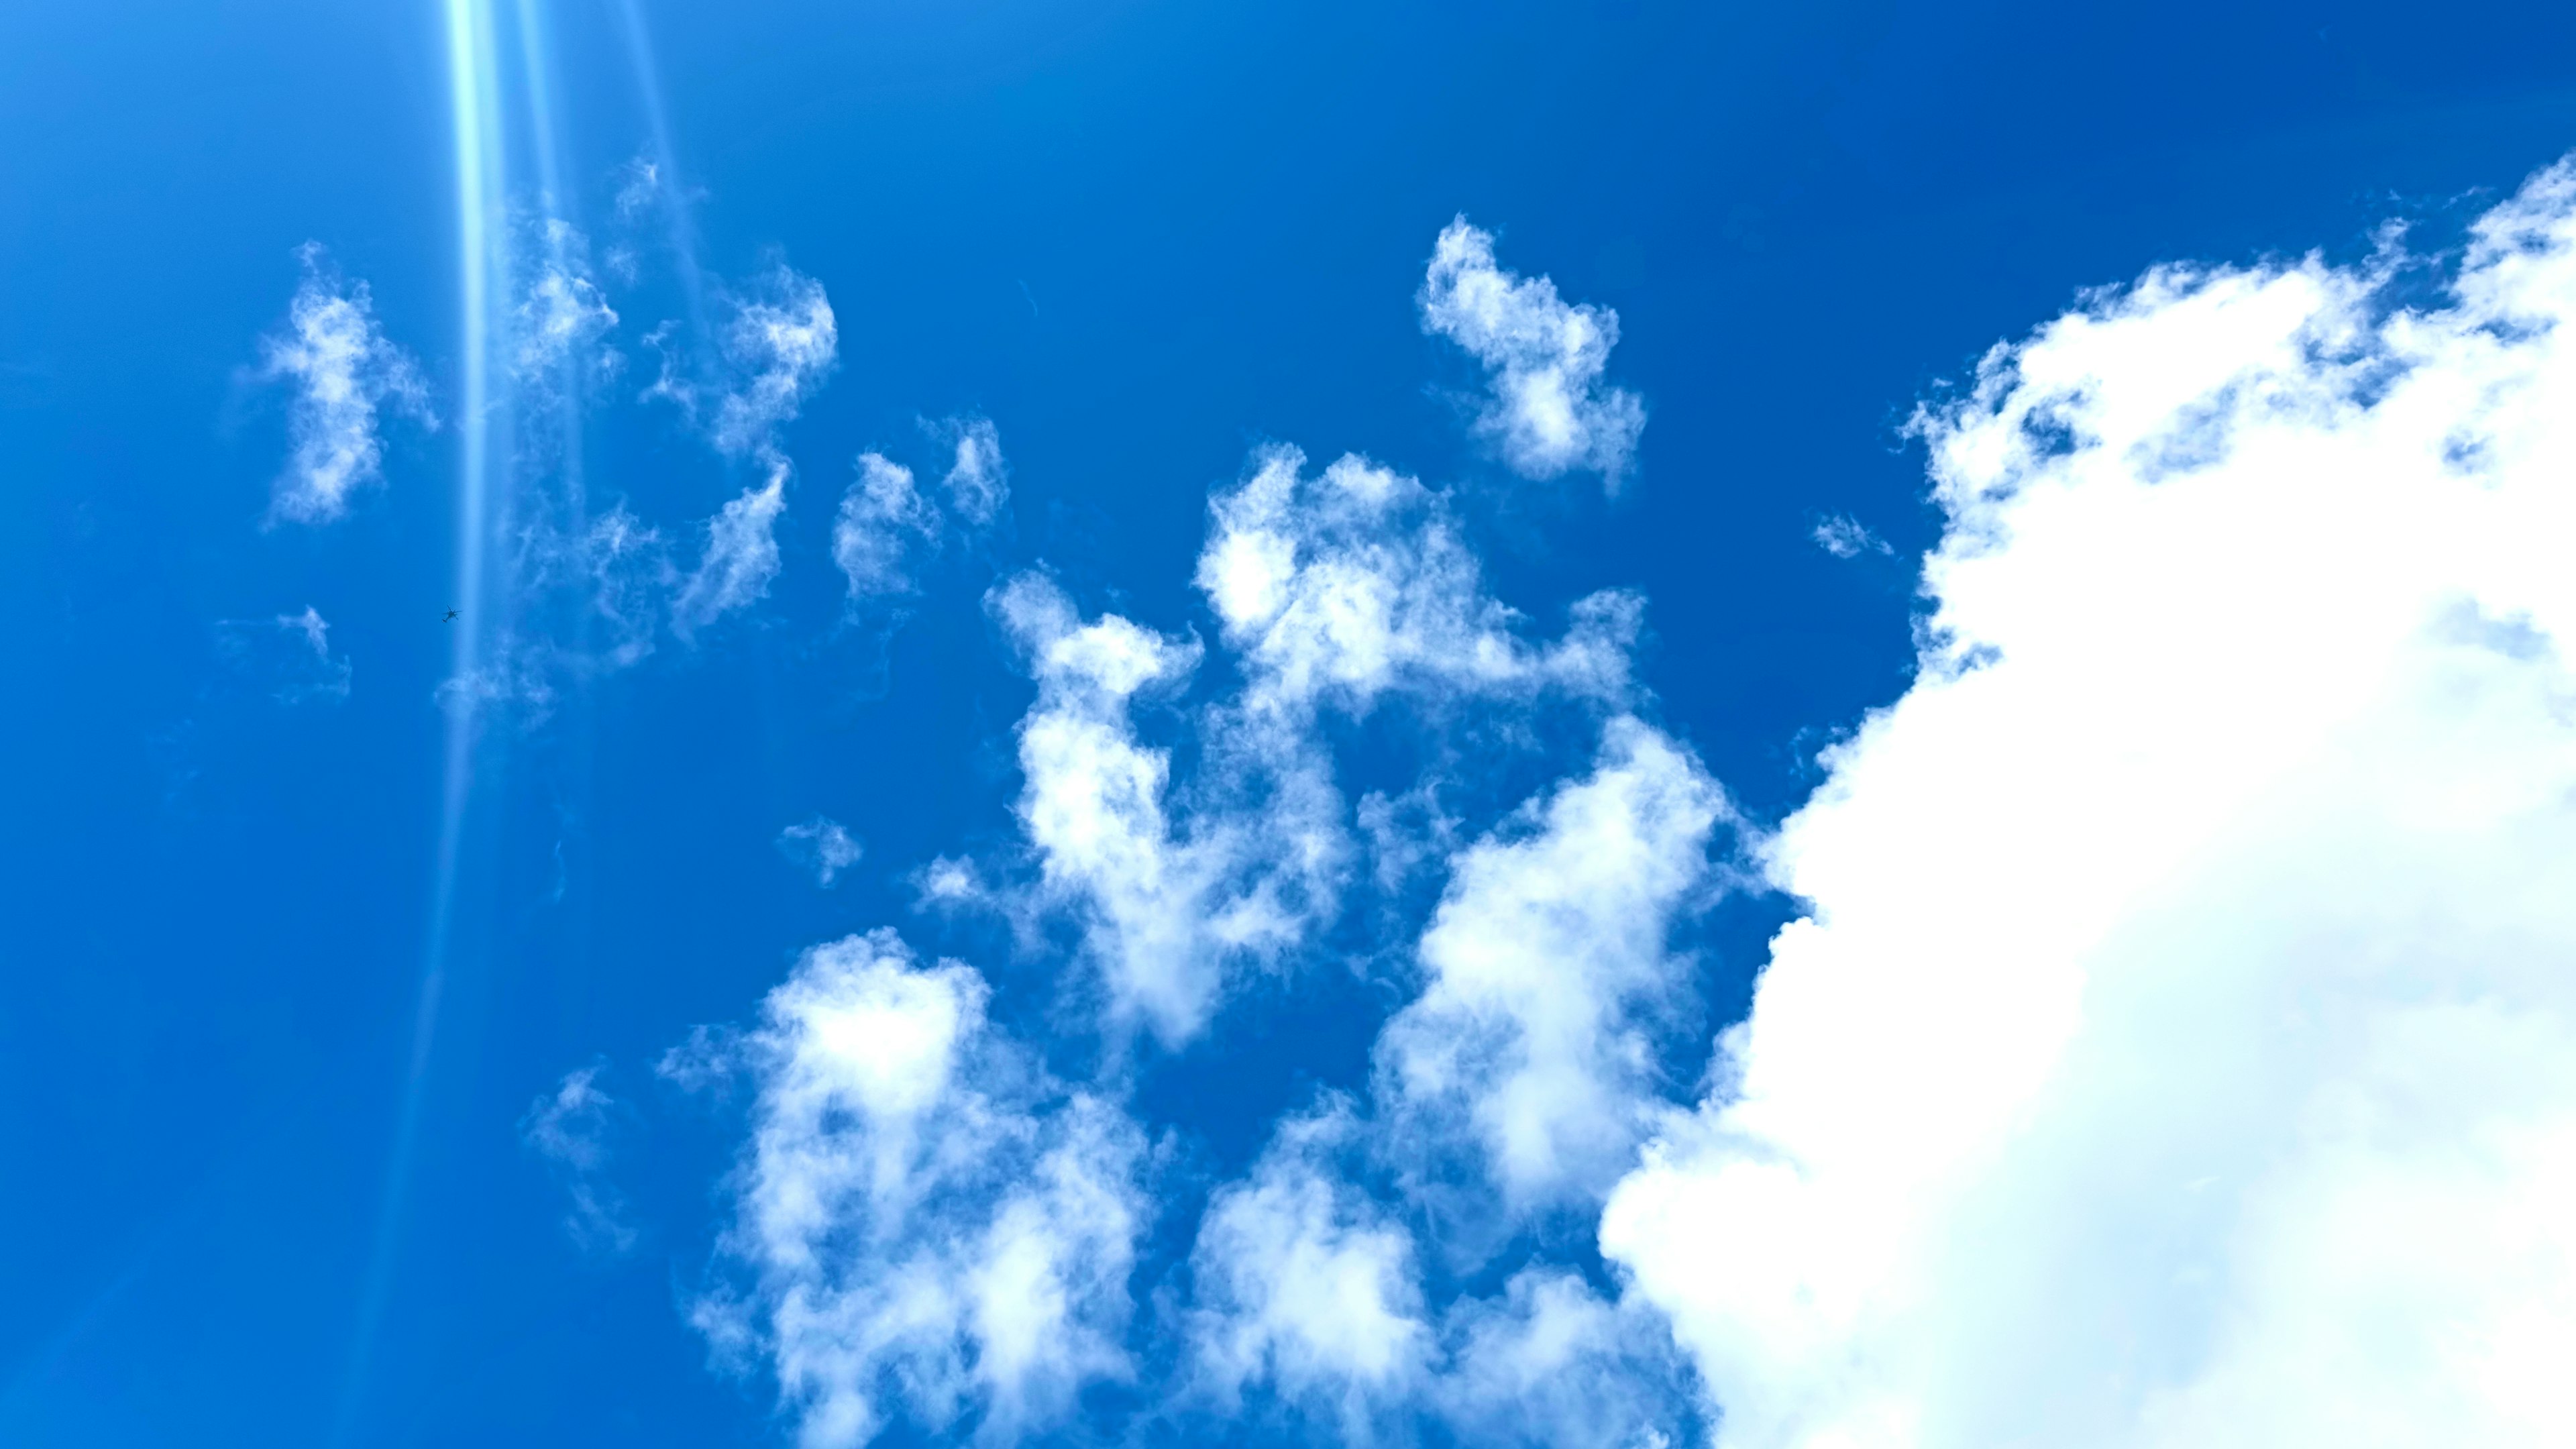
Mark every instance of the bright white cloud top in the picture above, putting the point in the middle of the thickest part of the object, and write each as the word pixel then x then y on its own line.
pixel 2177 1046
pixel 2182 1046
pixel 345 373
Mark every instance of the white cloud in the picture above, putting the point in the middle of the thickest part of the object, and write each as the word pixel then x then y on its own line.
pixel 2181 1049
pixel 1532 1041
pixel 1843 536
pixel 930 1228
pixel 1308 1287
pixel 821 845
pixel 560 315
pixel 1548 411
pixel 778 348
pixel 639 189
pixel 883 519
pixel 1357 582
pixel 740 559
pixel 1157 919
pixel 289 656
pixel 1552 1362
pixel 978 483
pixel 343 370
pixel 1305 1285
pixel 514 676
pixel 570 1128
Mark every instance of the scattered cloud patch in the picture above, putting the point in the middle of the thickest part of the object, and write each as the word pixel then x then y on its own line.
pixel 1547 410
pixel 2177 1048
pixel 978 483
pixel 929 1228
pixel 289 657
pixel 883 519
pixel 1843 536
pixel 570 1128
pixel 560 317
pixel 1548 962
pixel 739 560
pixel 1303 1284
pixel 344 373
pixel 821 845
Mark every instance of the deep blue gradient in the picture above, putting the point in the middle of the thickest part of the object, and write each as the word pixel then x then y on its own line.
pixel 1140 237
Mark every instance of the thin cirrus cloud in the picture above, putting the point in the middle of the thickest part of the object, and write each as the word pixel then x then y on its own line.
pixel 288 656
pixel 773 352
pixel 2180 1046
pixel 345 375
pixel 1547 409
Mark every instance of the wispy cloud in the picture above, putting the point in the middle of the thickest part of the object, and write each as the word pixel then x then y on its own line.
pixel 883 520
pixel 1548 410
pixel 570 1128
pixel 288 656
pixel 821 845
pixel 978 482
pixel 560 317
pixel 777 347
pixel 1843 536
pixel 740 558
pixel 344 372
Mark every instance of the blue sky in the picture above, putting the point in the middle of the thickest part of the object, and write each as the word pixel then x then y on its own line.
pixel 1598 725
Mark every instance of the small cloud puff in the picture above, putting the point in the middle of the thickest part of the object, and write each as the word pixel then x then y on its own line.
pixel 343 371
pixel 820 845
pixel 1843 536
pixel 1547 409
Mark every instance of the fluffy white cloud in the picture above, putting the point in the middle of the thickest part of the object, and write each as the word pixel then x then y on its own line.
pixel 1342 587
pixel 1531 1044
pixel 1308 1287
pixel 343 371
pixel 883 518
pixel 978 484
pixel 1305 1285
pixel 569 1127
pixel 821 845
pixel 1332 592
pixel 930 1228
pixel 1549 411
pixel 2181 1048
pixel 1162 907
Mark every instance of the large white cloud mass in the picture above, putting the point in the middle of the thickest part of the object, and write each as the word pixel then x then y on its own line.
pixel 2181 1045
